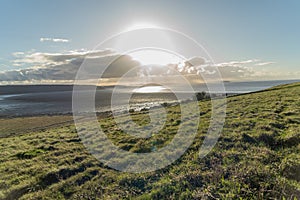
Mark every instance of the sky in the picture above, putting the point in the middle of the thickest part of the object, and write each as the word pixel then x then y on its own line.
pixel 261 36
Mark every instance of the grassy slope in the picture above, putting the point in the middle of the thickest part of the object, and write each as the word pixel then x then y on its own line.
pixel 21 125
pixel 257 156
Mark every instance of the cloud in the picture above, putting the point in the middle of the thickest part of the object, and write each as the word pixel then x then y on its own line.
pixel 238 63
pixel 59 58
pixel 64 66
pixel 18 54
pixel 264 63
pixel 233 70
pixel 54 40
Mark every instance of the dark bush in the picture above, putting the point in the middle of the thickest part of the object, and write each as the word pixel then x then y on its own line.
pixel 201 96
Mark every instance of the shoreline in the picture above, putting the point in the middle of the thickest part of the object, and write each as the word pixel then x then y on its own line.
pixel 53 100
pixel 136 107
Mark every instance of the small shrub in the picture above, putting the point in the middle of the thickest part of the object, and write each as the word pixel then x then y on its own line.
pixel 248 138
pixel 30 154
pixel 201 96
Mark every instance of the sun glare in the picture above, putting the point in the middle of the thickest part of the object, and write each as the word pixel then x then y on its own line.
pixel 155 56
pixel 141 26
pixel 150 89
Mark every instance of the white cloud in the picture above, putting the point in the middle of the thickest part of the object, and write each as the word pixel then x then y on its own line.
pixel 264 63
pixel 42 59
pixel 238 63
pixel 18 54
pixel 54 40
pixel 228 70
pixel 233 70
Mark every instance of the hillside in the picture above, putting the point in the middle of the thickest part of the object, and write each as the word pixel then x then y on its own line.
pixel 256 157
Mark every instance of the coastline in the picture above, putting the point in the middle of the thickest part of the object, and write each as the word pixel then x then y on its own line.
pixel 36 102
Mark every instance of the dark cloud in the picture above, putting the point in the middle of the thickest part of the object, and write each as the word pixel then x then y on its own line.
pixel 65 66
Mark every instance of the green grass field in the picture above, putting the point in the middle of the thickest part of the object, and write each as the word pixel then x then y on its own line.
pixel 256 157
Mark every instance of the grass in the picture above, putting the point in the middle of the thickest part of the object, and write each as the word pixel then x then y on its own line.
pixel 256 157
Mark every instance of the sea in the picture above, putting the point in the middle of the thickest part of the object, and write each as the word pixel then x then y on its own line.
pixel 34 100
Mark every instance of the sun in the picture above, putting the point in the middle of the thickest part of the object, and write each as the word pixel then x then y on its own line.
pixel 155 56
pixel 149 54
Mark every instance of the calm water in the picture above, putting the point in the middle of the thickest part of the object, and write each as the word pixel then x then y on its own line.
pixel 49 101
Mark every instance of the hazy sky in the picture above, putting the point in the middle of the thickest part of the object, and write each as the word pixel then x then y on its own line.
pixel 232 30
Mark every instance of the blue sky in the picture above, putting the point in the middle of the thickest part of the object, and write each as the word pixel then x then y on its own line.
pixel 230 30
